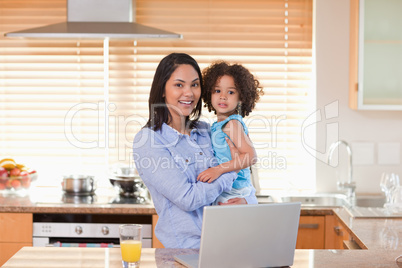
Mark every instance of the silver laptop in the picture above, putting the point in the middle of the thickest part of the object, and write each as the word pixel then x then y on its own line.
pixel 262 235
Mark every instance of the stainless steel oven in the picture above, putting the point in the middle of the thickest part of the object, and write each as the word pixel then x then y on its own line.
pixel 86 230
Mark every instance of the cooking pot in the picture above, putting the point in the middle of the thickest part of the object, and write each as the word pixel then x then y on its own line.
pixel 129 186
pixel 78 184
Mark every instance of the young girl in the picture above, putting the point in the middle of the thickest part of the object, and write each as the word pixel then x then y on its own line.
pixel 231 91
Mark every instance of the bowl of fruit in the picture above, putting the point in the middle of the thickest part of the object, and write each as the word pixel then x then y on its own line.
pixel 15 178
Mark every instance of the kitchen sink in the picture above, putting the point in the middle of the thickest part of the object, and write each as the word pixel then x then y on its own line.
pixel 327 200
pixel 365 206
pixel 318 200
pixel 370 201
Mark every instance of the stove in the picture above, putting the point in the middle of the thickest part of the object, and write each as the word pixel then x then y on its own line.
pixel 129 200
pixel 102 196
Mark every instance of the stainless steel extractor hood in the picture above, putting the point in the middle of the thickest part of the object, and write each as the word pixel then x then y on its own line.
pixel 94 19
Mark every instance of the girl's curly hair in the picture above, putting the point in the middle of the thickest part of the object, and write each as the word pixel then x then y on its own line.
pixel 248 87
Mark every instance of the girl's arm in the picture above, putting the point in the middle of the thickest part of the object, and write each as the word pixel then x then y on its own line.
pixel 245 158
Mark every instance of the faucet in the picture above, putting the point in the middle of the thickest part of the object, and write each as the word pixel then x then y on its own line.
pixel 350 185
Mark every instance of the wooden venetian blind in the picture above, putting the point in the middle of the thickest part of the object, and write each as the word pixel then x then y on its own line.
pixel 43 85
pixel 271 38
pixel 42 80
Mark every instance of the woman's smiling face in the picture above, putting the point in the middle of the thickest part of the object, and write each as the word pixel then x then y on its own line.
pixel 182 91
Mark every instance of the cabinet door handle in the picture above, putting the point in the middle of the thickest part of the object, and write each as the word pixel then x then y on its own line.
pixel 338 231
pixel 308 226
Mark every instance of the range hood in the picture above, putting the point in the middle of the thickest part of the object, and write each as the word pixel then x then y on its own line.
pixel 97 19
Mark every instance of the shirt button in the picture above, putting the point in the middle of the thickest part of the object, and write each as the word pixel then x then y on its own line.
pixel 200 153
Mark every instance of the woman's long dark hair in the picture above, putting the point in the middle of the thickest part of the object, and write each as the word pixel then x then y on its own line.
pixel 158 111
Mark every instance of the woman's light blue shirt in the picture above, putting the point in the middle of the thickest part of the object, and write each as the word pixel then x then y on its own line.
pixel 168 163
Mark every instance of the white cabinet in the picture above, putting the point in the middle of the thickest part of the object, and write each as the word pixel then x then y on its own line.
pixel 375 81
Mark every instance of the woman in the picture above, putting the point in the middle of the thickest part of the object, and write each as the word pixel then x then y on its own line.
pixel 173 148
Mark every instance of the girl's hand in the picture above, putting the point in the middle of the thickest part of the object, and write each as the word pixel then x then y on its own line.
pixel 210 174
pixel 234 201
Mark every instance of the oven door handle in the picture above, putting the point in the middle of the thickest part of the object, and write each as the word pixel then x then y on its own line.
pixel 83 245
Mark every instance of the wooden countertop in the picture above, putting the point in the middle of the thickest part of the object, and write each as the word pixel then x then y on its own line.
pixel 100 257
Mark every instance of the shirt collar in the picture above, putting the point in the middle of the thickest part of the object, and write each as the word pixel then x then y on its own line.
pixel 200 130
pixel 170 134
pixel 173 136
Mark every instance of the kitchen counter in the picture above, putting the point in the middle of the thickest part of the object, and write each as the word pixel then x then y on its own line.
pixel 52 200
pixel 381 236
pixel 100 257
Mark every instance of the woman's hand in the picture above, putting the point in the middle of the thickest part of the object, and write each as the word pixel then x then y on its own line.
pixel 234 201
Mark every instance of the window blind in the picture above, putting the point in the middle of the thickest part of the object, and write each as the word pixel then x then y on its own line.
pixel 43 80
pixel 43 84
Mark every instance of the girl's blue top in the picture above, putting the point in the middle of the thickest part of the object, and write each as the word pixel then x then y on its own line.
pixel 222 151
pixel 169 163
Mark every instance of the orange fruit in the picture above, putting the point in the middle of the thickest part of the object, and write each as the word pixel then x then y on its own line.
pixel 22 167
pixel 8 163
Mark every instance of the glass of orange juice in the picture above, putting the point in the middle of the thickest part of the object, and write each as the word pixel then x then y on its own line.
pixel 130 244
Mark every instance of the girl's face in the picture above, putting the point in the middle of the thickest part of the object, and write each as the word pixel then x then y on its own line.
pixel 225 97
pixel 182 91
